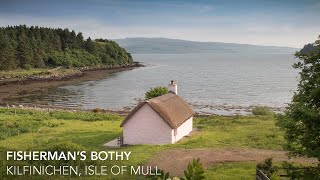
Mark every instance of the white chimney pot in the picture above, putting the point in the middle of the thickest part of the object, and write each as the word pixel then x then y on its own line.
pixel 172 87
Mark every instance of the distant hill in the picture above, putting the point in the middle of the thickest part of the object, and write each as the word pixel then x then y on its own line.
pixel 142 45
pixel 308 48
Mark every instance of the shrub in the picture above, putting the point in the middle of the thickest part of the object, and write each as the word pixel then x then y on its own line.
pixel 97 110
pixel 72 58
pixel 267 167
pixel 194 171
pixel 262 111
pixel 155 92
pixel 300 171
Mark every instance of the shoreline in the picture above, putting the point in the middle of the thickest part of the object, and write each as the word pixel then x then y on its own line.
pixel 10 92
pixel 124 111
pixel 17 90
pixel 78 72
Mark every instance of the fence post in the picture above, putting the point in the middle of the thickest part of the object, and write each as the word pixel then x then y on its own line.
pixel 120 140
pixel 260 175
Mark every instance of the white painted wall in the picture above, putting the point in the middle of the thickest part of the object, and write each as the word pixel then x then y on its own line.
pixel 146 127
pixel 183 130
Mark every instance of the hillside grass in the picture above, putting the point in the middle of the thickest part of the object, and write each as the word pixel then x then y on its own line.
pixel 22 72
pixel 38 72
pixel 35 130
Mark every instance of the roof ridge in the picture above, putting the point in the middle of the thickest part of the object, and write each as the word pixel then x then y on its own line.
pixel 162 97
pixel 170 107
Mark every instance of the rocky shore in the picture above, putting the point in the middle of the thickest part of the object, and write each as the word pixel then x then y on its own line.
pixel 222 110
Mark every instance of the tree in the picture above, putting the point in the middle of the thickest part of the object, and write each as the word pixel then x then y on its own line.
pixel 155 92
pixel 34 47
pixel 89 45
pixel 79 40
pixel 38 53
pixel 24 52
pixel 7 53
pixel 301 120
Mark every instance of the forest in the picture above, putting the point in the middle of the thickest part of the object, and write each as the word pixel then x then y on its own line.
pixel 23 47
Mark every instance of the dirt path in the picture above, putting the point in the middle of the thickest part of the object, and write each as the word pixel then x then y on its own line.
pixel 175 161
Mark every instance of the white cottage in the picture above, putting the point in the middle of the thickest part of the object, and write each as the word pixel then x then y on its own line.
pixel 161 120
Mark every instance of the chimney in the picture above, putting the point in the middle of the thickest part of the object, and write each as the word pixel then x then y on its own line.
pixel 172 87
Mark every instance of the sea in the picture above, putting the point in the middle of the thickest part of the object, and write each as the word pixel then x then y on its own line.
pixel 216 83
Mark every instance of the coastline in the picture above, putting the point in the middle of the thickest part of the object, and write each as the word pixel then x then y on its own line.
pixel 216 110
pixel 17 89
pixel 75 73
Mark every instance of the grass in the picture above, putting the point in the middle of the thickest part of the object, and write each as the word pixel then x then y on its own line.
pixel 231 171
pixel 235 131
pixel 84 128
pixel 22 72
pixel 37 72
pixel 36 130
pixel 262 111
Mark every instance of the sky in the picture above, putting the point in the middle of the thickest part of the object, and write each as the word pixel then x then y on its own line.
pixel 262 22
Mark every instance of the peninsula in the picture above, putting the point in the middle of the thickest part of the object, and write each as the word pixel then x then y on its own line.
pixel 40 53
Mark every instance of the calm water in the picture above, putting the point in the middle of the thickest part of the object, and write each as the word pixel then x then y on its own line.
pixel 219 83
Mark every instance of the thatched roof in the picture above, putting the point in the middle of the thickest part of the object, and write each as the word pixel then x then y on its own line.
pixel 172 108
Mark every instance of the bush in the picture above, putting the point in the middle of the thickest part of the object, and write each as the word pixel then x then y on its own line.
pixel 155 92
pixel 72 58
pixel 300 171
pixel 262 111
pixel 267 167
pixel 98 110
pixel 194 171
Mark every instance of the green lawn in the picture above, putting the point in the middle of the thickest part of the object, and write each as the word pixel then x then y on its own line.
pixel 231 171
pixel 236 131
pixel 35 130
